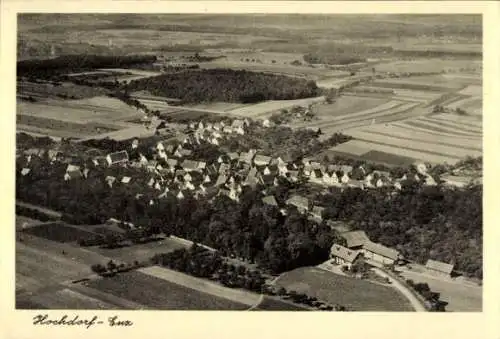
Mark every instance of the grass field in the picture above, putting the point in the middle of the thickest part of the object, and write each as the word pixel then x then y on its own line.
pixel 427 65
pixel 267 108
pixel 357 295
pixel 37 268
pixel 202 285
pixel 59 232
pixel 44 91
pixel 141 252
pixel 161 294
pixel 274 304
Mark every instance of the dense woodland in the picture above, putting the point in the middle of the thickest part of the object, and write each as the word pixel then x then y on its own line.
pixel 48 68
pixel 226 85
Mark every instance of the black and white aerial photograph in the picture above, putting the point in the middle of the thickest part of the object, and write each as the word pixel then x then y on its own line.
pixel 249 162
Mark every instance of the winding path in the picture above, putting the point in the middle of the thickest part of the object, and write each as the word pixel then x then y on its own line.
pixel 415 302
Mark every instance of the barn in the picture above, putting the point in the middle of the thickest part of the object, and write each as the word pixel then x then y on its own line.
pixel 439 268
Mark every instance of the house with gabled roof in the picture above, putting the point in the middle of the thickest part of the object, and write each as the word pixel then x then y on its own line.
pixel 330 178
pixel 344 256
pixel 316 176
pixel 252 177
pixel 179 194
pixel 190 165
pixel 126 180
pixel 261 160
pixel 345 178
pixel 439 268
pixel 380 253
pixel 172 163
pixel 246 157
pixel 117 158
pixel 301 203
pixel 25 171
pixel 355 239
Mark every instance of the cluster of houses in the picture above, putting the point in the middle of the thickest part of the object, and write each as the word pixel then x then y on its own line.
pixel 358 245
pixel 172 169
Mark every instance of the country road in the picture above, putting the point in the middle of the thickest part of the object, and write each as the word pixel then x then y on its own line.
pixel 417 305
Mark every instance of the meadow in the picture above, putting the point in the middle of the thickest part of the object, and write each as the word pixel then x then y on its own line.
pixel 356 295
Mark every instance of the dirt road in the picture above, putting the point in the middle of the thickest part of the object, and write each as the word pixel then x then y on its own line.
pixel 417 305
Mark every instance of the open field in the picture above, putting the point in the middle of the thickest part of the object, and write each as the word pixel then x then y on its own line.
pixel 289 70
pixel 141 252
pixel 437 82
pixel 44 91
pixel 390 111
pixel 435 138
pixel 460 297
pixel 357 295
pixel 203 286
pixel 161 294
pixel 346 105
pixel 60 232
pixel 428 65
pixel 59 125
pixel 37 268
pixel 267 108
pixel 90 109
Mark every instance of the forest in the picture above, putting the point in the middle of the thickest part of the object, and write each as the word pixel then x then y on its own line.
pixel 225 85
pixel 48 68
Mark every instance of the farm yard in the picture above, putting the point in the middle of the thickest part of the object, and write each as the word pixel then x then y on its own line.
pixel 357 295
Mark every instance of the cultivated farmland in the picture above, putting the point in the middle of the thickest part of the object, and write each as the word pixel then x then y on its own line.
pixel 357 295
pixel 203 286
pixel 161 294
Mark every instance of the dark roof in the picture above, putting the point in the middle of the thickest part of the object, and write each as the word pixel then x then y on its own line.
pixel 355 238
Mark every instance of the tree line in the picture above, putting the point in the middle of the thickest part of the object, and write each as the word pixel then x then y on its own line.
pixel 42 68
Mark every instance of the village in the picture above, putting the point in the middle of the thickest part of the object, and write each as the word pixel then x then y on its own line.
pixel 171 170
